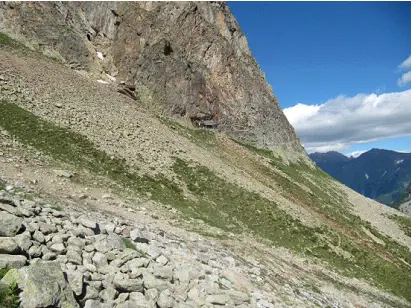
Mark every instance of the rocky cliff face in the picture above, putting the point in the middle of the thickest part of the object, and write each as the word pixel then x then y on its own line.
pixel 405 201
pixel 188 60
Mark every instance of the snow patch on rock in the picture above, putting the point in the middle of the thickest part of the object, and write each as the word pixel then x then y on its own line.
pixel 100 55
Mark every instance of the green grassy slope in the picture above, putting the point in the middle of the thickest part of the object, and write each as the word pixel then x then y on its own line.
pixel 341 242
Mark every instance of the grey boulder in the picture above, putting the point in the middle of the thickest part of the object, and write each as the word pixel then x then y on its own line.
pixel 23 241
pixel 42 284
pixel 8 246
pixel 11 261
pixel 124 284
pixel 165 300
pixel 109 243
pixel 9 224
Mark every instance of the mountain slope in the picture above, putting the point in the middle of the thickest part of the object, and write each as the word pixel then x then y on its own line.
pixel 185 59
pixel 304 239
pixel 378 174
pixel 214 185
pixel 330 162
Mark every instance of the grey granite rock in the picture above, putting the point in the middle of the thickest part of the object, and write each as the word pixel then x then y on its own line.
pixel 11 209
pixel 9 224
pixel 88 223
pixel 124 284
pixel 23 241
pixel 238 297
pixel 39 237
pixel 35 252
pixel 74 255
pixel 12 261
pixel 163 272
pixel 109 293
pixel 100 260
pixel 8 246
pixel 138 236
pixel 217 299
pixel 42 285
pixel 165 300
pixel 47 228
pixel 58 248
pixel 75 280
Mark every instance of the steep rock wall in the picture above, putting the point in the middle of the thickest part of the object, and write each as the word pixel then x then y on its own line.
pixel 188 60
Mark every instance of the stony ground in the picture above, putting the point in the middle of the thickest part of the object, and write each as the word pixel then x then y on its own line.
pixel 108 262
pixel 406 208
pixel 93 248
pixel 71 233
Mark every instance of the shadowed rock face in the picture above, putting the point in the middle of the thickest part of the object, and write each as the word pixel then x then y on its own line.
pixel 406 195
pixel 188 60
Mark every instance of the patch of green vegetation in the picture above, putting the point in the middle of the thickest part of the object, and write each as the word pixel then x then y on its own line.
pixel 307 186
pixel 57 207
pixel 129 244
pixel 77 150
pixel 230 207
pixel 28 197
pixel 5 40
pixel 2 186
pixel 201 137
pixel 220 281
pixel 8 294
pixel 403 222
pixel 3 272
pixel 212 235
pixel 313 287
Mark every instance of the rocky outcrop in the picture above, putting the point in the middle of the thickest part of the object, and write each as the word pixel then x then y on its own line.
pixel 406 196
pixel 188 60
pixel 405 202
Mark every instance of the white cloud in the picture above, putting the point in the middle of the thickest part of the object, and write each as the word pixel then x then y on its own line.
pixel 339 147
pixel 301 112
pixel 355 154
pixel 344 121
pixel 406 64
pixel 405 78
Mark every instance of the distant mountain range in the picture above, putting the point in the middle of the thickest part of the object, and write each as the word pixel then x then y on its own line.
pixel 382 175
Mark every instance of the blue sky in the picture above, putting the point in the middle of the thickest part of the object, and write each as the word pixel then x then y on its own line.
pixel 316 52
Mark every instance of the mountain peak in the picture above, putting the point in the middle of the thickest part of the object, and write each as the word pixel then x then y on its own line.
pixel 330 155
